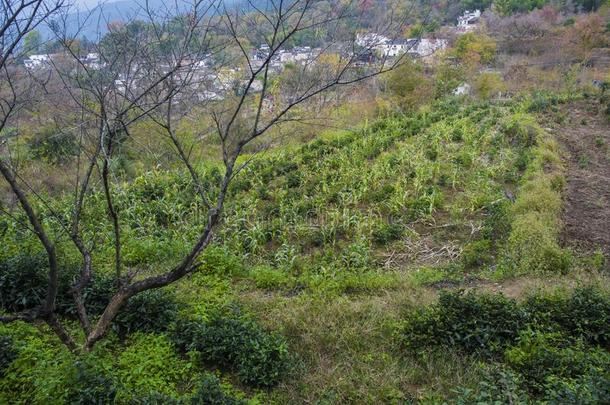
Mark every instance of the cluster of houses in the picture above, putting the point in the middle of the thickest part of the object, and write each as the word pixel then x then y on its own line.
pixel 210 84
pixel 43 61
pixel 387 47
pixel 469 20
pixel 296 55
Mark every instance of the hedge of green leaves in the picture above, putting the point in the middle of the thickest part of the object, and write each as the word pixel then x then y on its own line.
pixel 258 357
pixel 550 346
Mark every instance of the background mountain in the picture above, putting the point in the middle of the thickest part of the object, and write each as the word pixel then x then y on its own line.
pixel 92 23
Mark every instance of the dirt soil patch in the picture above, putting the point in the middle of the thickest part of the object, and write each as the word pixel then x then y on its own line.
pixel 585 136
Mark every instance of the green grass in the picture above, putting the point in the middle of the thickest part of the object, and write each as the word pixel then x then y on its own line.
pixel 331 243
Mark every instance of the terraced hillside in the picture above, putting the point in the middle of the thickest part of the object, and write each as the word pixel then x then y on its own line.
pixel 327 253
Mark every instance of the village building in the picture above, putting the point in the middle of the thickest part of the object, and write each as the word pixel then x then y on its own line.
pixel 469 20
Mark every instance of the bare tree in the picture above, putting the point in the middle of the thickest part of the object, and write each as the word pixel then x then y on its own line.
pixel 17 19
pixel 162 71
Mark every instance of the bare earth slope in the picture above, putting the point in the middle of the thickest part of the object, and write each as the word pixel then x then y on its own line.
pixel 586 138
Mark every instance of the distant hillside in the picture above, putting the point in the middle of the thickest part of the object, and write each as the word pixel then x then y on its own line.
pixel 92 24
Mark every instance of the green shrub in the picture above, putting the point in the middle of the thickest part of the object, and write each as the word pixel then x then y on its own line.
pixel 532 245
pixel 53 145
pixel 96 294
pixel 270 278
pixel 498 385
pixel 23 281
pixel 259 358
pixel 473 323
pixel 220 260
pixel 157 398
pixel 150 364
pixel 23 285
pixel 8 353
pixel 497 222
pixel 477 253
pixel 541 102
pixel 593 388
pixel 210 392
pixel 521 130
pixel 539 357
pixel 90 386
pixel 387 232
pixel 585 314
pixel 149 311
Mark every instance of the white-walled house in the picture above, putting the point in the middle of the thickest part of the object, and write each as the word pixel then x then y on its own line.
pixel 417 47
pixel 37 61
pixel 396 47
pixel 428 46
pixel 371 40
pixel 468 20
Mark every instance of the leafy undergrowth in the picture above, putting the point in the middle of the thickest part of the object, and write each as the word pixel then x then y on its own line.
pixel 550 347
pixel 324 251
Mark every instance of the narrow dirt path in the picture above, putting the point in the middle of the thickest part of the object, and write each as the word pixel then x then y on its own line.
pixel 586 138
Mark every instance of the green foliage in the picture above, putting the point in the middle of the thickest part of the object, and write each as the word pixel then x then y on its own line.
pixel 32 42
pixel 53 145
pixel 409 86
pixel 473 49
pixel 267 277
pixel 477 253
pixel 210 392
pixel 259 358
pixel 90 385
pixel 8 353
pixel 539 356
pixel 542 101
pixel 23 281
pixel 488 85
pixel 148 311
pixel 549 347
pixel 508 7
pixel 150 364
pixel 532 245
pixel 487 324
pixel 40 372
pixel 585 314
pixel 473 323
pixel 23 285
pixel 521 130
pixel 219 260
pixel 387 232
pixel 498 385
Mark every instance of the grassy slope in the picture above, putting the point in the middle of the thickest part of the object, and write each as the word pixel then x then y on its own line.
pixel 331 242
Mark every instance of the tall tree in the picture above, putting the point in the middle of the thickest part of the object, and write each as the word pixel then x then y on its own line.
pixel 163 70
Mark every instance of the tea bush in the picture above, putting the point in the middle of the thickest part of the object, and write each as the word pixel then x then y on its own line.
pixel 487 324
pixel 90 385
pixel 23 281
pixel 96 294
pixel 8 352
pixel 498 385
pixel 538 357
pixel 149 311
pixel 23 285
pixel 473 323
pixel 387 232
pixel 150 364
pixel 210 392
pixel 53 145
pixel 258 357
pixel 585 314
pixel 477 253
pixel 549 347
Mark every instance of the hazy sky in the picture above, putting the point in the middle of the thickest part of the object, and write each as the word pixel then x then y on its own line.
pixel 83 4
